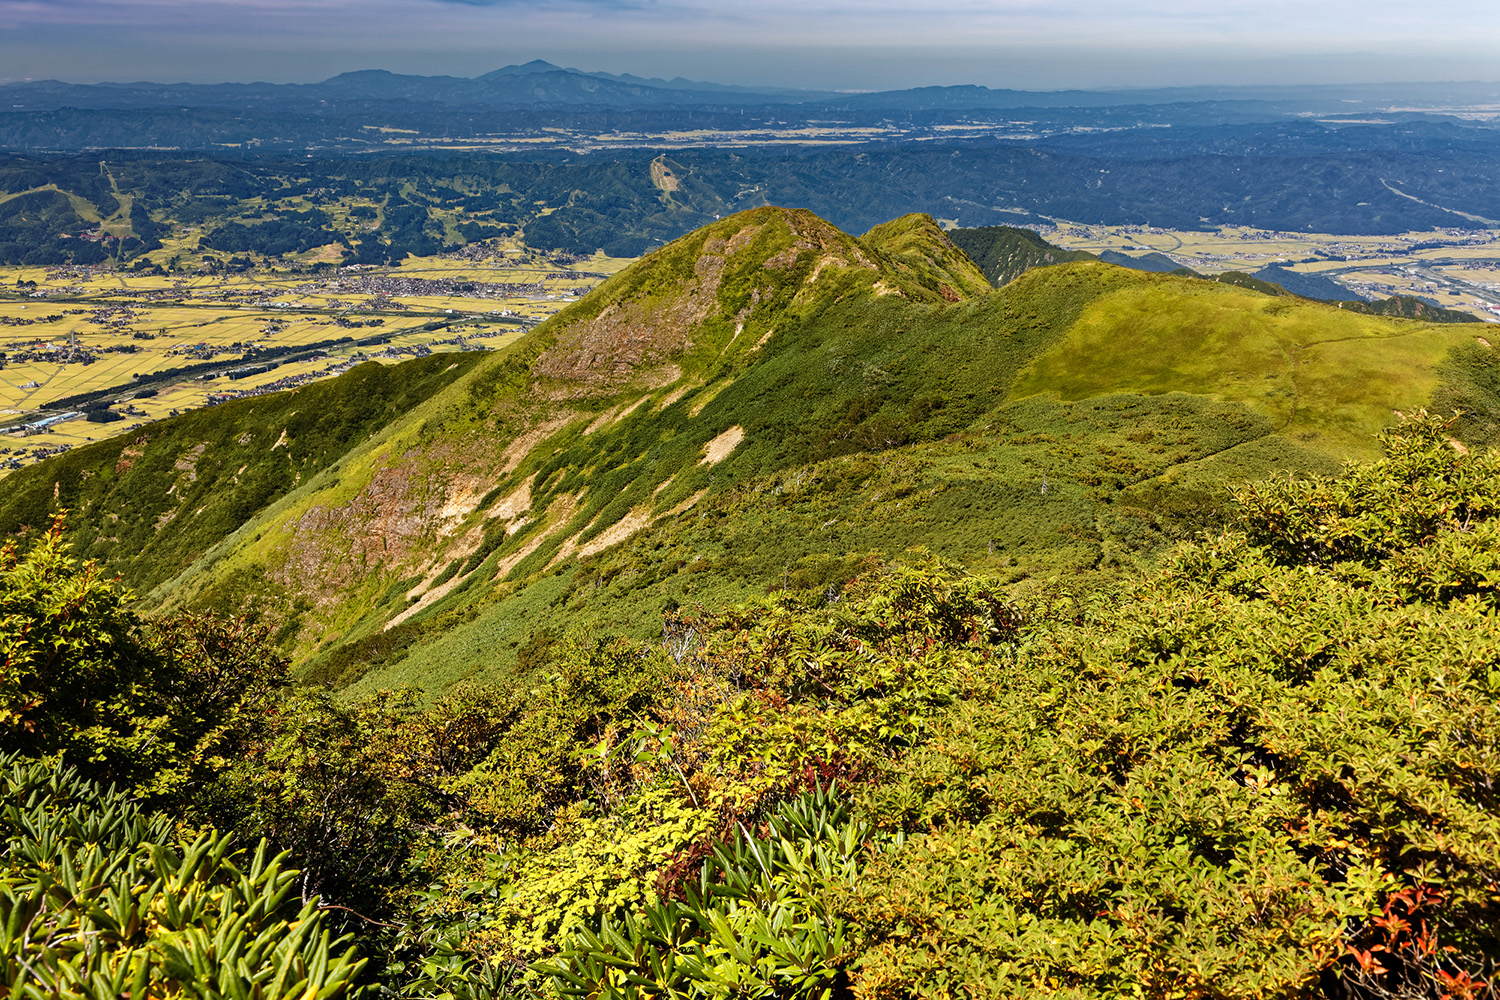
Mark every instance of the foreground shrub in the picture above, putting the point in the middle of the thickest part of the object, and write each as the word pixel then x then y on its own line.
pixel 758 921
pixel 139 703
pixel 1266 772
pixel 99 899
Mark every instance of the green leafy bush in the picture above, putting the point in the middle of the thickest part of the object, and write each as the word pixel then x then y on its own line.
pixel 1244 778
pixel 757 922
pixel 142 703
pixel 354 792
pixel 99 899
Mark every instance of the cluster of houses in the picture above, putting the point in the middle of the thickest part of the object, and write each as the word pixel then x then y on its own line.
pixel 30 320
pixel 385 287
pixel 15 459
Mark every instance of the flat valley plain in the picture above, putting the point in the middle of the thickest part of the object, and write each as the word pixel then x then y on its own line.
pixel 71 331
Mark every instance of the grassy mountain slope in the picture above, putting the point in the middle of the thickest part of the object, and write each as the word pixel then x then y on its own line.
pixel 771 403
pixel 1325 376
pixel 1402 306
pixel 1049 490
pixel 148 504
pixel 605 416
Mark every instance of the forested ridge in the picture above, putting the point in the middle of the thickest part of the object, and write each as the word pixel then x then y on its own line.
pixel 1265 768
pixel 1299 177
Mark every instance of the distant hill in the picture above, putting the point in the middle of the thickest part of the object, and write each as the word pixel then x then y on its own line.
pixel 1403 306
pixel 765 403
pixel 1004 253
pixel 677 83
pixel 1309 286
pixel 1411 307
pixel 1240 279
pixel 1158 263
pixel 539 77
pixel 1296 177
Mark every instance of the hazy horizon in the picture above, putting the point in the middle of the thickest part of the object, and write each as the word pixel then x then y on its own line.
pixel 647 73
pixel 828 45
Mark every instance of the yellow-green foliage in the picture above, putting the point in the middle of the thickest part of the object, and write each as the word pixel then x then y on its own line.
pixel 1268 766
pixel 811 691
pixel 758 921
pixel 598 691
pixel 62 628
pixel 594 867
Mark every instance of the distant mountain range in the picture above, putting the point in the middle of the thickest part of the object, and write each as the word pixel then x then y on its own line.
pixel 586 160
pixel 542 83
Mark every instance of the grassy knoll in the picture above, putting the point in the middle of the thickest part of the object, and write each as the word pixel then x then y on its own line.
pixel 1324 376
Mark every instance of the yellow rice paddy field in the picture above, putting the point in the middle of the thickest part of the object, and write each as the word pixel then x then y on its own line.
pixel 66 332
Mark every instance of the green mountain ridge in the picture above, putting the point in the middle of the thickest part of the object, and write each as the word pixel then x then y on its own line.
pixel 769 403
pixel 150 503
pixel 1004 253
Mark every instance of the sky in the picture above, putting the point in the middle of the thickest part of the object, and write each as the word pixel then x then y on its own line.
pixel 819 44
